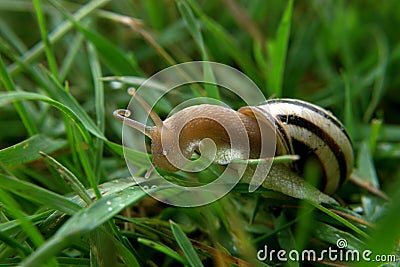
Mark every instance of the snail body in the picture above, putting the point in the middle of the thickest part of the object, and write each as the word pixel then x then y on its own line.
pixel 299 127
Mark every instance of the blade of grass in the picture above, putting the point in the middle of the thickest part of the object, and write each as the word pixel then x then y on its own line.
pixel 64 27
pixel 99 107
pixel 156 14
pixel 84 158
pixel 365 165
pixel 115 59
pixel 244 21
pixel 38 194
pixel 102 242
pixel 11 205
pixel 70 178
pixel 11 38
pixel 383 54
pixel 28 150
pixel 51 59
pixel 348 106
pixel 163 249
pixel 230 44
pixel 194 29
pixel 137 26
pixel 75 112
pixel 277 50
pixel 13 227
pixel 139 158
pixel 384 239
pixel 285 238
pixel 330 234
pixel 376 130
pixel 184 243
pixel 338 218
pixel 76 46
pixel 27 120
pixel 83 222
pixel 21 249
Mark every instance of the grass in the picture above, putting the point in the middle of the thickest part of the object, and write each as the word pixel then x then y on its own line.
pixel 65 67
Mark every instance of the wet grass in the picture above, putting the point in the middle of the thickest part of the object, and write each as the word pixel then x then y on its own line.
pixel 76 205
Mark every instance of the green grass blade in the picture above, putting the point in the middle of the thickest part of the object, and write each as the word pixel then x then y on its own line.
pixel 231 46
pixel 384 239
pixel 10 36
pixel 338 218
pixel 286 239
pixel 138 158
pixel 64 27
pixel 376 130
pixel 193 26
pixel 381 67
pixel 76 46
pixel 278 50
pixel 163 249
pixel 156 14
pixel 51 59
pixel 194 29
pixel 348 106
pixel 27 120
pixel 70 178
pixel 99 108
pixel 38 194
pixel 83 222
pixel 102 243
pixel 330 234
pixel 84 156
pixel 114 58
pixel 15 210
pixel 365 165
pixel 28 150
pixel 21 249
pixel 185 245
pixel 75 112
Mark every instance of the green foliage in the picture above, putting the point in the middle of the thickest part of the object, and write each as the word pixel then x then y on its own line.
pixel 65 67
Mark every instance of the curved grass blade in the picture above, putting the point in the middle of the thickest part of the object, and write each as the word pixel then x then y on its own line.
pixel 38 194
pixel 277 50
pixel 83 222
pixel 51 59
pixel 338 218
pixel 114 58
pixel 57 33
pixel 28 150
pixel 185 245
pixel 194 29
pixel 70 178
pixel 163 249
pixel 83 122
pixel 22 112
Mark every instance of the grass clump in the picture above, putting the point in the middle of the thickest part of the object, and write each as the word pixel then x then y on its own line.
pixel 65 67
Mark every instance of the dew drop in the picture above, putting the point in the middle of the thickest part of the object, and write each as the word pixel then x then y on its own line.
pixel 153 187
pixel 110 209
pixel 108 202
pixel 116 85
pixel 145 187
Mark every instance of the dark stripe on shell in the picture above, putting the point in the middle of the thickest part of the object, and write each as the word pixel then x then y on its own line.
pixel 326 138
pixel 313 108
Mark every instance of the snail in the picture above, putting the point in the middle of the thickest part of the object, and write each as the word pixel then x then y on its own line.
pixel 300 128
